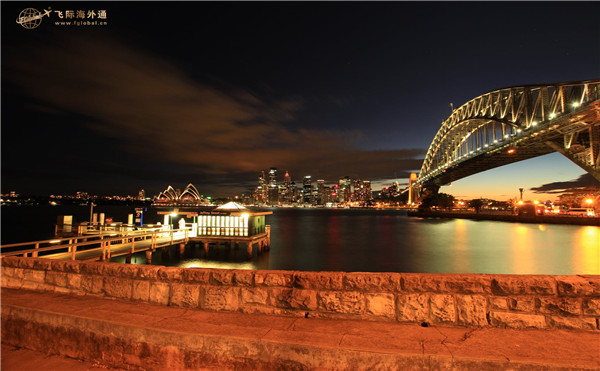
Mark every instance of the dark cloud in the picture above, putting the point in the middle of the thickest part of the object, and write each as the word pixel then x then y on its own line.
pixel 585 180
pixel 154 111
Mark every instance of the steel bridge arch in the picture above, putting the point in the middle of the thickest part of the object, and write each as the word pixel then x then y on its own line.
pixel 535 119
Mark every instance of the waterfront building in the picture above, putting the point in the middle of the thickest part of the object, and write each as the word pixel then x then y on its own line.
pixel 174 197
pixel 141 195
pixel 345 189
pixel 321 192
pixel 307 190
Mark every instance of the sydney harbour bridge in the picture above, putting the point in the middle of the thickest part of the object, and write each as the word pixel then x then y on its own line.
pixel 515 124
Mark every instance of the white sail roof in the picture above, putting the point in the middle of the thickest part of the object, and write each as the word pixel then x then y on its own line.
pixel 231 206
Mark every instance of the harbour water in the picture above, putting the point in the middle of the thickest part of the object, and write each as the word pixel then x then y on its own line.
pixel 361 240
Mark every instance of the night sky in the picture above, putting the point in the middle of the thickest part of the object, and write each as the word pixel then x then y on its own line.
pixel 213 93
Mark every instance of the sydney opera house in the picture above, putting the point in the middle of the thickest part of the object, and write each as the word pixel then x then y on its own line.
pixel 174 197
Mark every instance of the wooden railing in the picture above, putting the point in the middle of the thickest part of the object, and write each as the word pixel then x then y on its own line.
pixel 100 243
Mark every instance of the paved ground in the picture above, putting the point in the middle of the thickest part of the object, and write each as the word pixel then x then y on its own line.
pixel 236 338
pixel 20 359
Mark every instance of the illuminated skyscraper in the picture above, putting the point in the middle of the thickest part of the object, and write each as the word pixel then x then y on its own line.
pixel 141 195
pixel 307 188
pixel 273 189
pixel 345 189
pixel 366 191
pixel 321 193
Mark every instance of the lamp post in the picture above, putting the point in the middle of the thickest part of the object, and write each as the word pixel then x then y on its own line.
pixel 91 211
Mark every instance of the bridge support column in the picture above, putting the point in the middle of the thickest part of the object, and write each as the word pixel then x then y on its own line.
pixel 128 259
pixel 249 249
pixel 181 248
pixel 206 247
pixel 148 256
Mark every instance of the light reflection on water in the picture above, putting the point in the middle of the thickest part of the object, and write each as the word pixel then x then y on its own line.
pixel 366 240
pixel 375 241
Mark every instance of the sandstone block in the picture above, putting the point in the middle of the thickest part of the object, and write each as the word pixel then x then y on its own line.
pixel 523 285
pixel 35 276
pixel 68 266
pixel 92 284
pixel 221 277
pixel 591 307
pixel 578 285
pixel 243 278
pixel 273 278
pixel 413 307
pixel 442 308
pixel 119 270
pixel 522 304
pixel 253 295
pixel 318 280
pixel 381 305
pixel 569 306
pixel 285 298
pixel 196 275
pixel 347 302
pixel 12 272
pixel 498 302
pixel 42 264
pixel 15 283
pixel 221 298
pixel 517 320
pixel 25 263
pixel 146 271
pixel 170 274
pixel 58 279
pixel 74 281
pixel 159 293
pixel 10 261
pixel 117 288
pixel 141 290
pixel 472 310
pixel 577 323
pixel 185 295
pixel 467 284
pixel 371 282
pixel 412 283
pixel 96 268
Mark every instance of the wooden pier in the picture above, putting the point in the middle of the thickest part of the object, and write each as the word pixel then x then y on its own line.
pixel 104 244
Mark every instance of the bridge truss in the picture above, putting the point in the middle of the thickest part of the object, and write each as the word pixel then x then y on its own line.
pixel 515 124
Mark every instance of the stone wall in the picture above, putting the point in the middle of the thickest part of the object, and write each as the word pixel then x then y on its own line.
pixel 472 300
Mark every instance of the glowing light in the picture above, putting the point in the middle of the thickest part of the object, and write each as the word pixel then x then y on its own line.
pixel 536 202
pixel 552 115
pixel 575 104
pixel 520 202
pixel 511 151
pixel 534 123
pixel 173 214
pixel 55 241
pixel 589 201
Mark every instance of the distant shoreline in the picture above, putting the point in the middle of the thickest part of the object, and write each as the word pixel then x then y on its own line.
pixel 558 219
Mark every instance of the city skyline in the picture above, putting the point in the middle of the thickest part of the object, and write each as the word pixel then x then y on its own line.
pixel 359 90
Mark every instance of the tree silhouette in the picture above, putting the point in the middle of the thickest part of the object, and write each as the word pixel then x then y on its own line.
pixel 476 204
